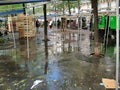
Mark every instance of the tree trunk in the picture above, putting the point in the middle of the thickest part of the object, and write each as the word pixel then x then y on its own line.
pixel 33 10
pixel 96 39
pixel 63 8
pixel 69 7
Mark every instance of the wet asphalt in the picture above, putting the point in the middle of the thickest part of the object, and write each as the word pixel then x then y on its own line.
pixel 64 62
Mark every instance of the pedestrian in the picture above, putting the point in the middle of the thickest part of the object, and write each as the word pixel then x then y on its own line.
pixel 6 33
pixel 88 25
pixel 58 23
pixel 51 24
pixel 1 34
pixel 37 25
pixel 91 19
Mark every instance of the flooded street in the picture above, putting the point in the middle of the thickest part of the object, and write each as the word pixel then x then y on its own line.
pixel 62 63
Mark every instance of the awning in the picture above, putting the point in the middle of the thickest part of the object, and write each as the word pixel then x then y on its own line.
pixel 6 2
pixel 48 16
pixel 12 12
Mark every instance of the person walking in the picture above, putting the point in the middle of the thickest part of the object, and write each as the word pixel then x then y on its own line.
pixel 58 23
pixel 1 34
pixel 37 25
pixel 51 24
pixel 88 25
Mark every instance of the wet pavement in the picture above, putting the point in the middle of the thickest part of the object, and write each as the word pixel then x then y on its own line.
pixel 63 63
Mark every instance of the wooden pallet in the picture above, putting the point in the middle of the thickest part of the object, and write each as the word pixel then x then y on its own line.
pixel 24 23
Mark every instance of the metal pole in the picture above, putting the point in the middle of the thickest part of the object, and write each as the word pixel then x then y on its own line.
pixel 24 9
pixel 45 23
pixel 117 46
pixel 13 33
pixel 55 15
pixel 79 18
pixel 33 10
pixel 28 51
pixel 55 19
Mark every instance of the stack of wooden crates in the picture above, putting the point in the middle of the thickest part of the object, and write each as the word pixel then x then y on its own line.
pixel 25 25
pixel 12 24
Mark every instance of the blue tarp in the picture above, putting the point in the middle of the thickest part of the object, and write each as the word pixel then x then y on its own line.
pixel 11 12
pixel 5 2
pixel 50 15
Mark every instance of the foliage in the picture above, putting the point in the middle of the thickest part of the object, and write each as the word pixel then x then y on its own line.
pixel 63 5
pixel 10 7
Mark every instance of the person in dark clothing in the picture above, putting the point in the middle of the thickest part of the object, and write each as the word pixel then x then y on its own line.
pixel 58 23
pixel 91 19
pixel 37 25
pixel 6 33
pixel 1 34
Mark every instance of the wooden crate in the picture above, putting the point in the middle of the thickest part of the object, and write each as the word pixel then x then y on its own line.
pixel 12 24
pixel 25 26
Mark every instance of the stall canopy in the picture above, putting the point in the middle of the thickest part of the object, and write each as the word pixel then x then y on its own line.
pixel 11 12
pixel 49 16
pixel 5 2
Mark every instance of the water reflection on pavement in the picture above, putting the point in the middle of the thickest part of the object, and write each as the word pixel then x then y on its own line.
pixel 64 64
